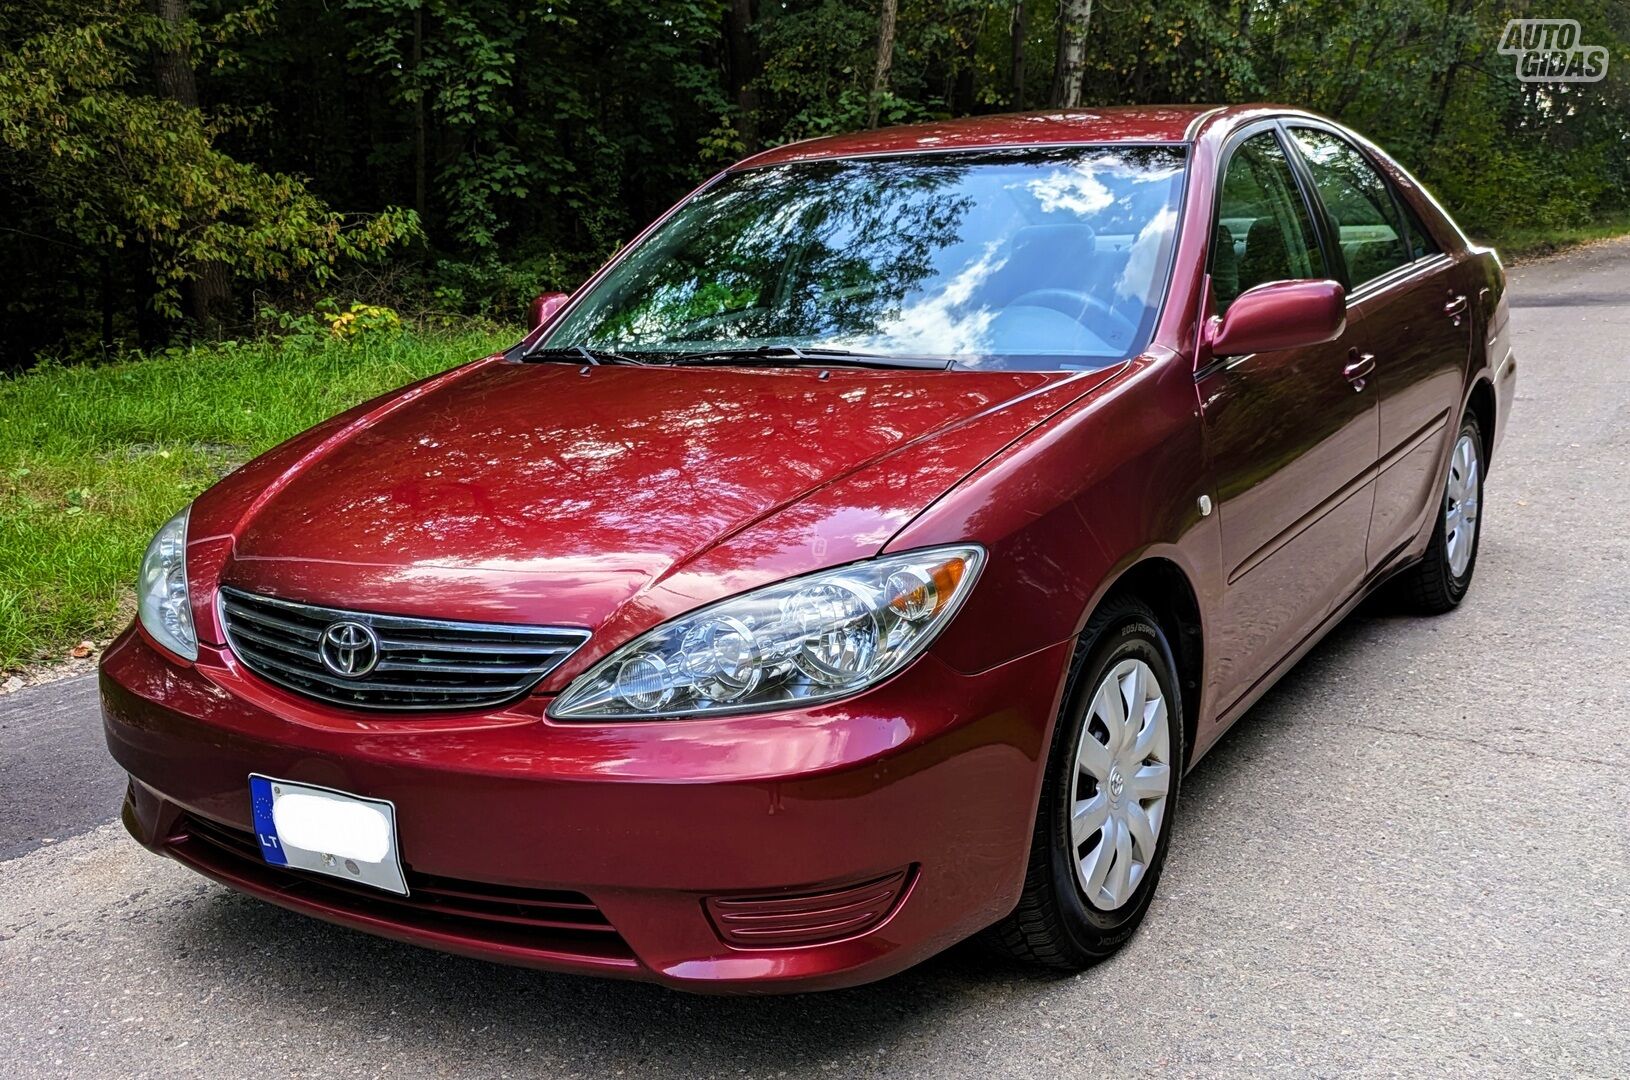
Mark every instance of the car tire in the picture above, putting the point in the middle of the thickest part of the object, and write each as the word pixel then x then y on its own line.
pixel 1438 582
pixel 1056 923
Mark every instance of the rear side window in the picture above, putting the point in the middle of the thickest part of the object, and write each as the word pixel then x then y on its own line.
pixel 1264 231
pixel 1373 238
pixel 1420 241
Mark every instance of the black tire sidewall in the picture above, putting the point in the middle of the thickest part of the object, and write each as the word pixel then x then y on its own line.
pixel 1131 634
pixel 1457 586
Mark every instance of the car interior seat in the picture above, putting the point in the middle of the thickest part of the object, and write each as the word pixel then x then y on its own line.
pixel 1266 257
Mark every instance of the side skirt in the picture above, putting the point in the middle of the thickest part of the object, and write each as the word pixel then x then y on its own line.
pixel 1394 564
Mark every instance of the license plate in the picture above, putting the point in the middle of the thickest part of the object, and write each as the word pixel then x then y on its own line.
pixel 327 832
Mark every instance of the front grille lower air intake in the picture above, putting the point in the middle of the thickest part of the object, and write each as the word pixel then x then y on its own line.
pixel 370 661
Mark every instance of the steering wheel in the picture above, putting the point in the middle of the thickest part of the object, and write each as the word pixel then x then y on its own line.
pixel 1105 321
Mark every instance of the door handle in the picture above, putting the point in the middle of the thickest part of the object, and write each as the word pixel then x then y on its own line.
pixel 1455 306
pixel 1359 366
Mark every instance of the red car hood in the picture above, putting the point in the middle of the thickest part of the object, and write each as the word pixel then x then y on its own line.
pixel 536 493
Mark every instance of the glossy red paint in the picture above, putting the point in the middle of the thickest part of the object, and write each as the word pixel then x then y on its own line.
pixel 544 308
pixel 670 484
pixel 1124 124
pixel 1280 315
pixel 601 809
pixel 616 498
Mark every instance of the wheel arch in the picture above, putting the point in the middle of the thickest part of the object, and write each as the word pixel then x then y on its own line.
pixel 1481 404
pixel 1165 587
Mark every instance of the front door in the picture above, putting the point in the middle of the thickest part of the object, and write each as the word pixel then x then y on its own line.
pixel 1290 439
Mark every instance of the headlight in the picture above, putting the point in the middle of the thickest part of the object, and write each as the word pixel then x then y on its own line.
pixel 806 640
pixel 161 591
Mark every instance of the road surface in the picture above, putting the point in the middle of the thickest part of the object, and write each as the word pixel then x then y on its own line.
pixel 1412 857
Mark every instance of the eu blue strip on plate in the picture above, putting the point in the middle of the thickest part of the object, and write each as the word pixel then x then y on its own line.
pixel 260 798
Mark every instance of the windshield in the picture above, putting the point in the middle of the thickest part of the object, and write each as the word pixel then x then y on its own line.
pixel 997 259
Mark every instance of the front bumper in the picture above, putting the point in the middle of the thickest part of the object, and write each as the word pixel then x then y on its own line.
pixel 935 773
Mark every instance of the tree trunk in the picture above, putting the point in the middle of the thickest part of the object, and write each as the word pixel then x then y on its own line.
pixel 965 86
pixel 885 57
pixel 105 293
pixel 173 66
pixel 1445 90
pixel 1071 66
pixel 1446 87
pixel 743 63
pixel 150 329
pixel 421 165
pixel 1020 17
pixel 209 293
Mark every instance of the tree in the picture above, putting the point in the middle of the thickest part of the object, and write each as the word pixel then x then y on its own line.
pixel 1069 71
pixel 1018 30
pixel 535 138
pixel 743 70
pixel 885 58
pixel 106 167
pixel 209 292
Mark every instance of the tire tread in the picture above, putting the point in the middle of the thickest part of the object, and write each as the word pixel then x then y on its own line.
pixel 1428 587
pixel 1034 932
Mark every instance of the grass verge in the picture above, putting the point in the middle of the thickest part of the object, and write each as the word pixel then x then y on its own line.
pixel 1518 245
pixel 94 458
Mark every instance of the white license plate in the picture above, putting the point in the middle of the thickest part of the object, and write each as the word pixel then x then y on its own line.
pixel 327 832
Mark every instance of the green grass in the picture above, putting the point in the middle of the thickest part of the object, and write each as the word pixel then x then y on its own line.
pixel 94 458
pixel 1531 243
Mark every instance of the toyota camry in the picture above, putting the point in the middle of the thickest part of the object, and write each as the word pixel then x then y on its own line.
pixel 854 565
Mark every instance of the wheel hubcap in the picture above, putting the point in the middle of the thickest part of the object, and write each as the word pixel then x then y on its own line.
pixel 1122 780
pixel 1460 504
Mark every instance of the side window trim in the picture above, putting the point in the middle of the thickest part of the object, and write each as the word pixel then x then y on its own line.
pixel 1415 264
pixel 1412 222
pixel 1292 158
pixel 1397 275
pixel 1335 259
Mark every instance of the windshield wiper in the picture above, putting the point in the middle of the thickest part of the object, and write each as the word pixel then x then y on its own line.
pixel 580 354
pixel 792 354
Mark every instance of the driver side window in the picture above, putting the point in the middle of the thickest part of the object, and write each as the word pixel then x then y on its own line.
pixel 1264 231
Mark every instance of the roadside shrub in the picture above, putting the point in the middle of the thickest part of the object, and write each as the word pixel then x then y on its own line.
pixel 359 319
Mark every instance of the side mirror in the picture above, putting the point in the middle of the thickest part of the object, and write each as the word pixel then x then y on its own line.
pixel 545 306
pixel 1280 315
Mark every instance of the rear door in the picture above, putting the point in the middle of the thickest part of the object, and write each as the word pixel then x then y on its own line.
pixel 1405 312
pixel 1290 439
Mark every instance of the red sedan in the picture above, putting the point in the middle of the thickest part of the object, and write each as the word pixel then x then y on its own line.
pixel 855 564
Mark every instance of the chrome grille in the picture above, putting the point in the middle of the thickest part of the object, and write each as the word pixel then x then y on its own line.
pixel 421 663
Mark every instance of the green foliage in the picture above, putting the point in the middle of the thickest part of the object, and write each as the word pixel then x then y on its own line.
pixel 455 61
pixel 818 68
pixel 490 286
pixel 530 139
pixel 94 458
pixel 1424 79
pixel 103 163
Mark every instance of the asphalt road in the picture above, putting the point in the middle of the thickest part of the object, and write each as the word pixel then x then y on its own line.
pixel 1413 857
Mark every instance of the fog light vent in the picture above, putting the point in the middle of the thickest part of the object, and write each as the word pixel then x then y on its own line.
pixel 805 918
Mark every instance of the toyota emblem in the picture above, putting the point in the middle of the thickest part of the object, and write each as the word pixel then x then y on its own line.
pixel 349 648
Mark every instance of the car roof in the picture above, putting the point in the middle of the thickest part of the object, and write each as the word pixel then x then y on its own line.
pixel 1118 124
